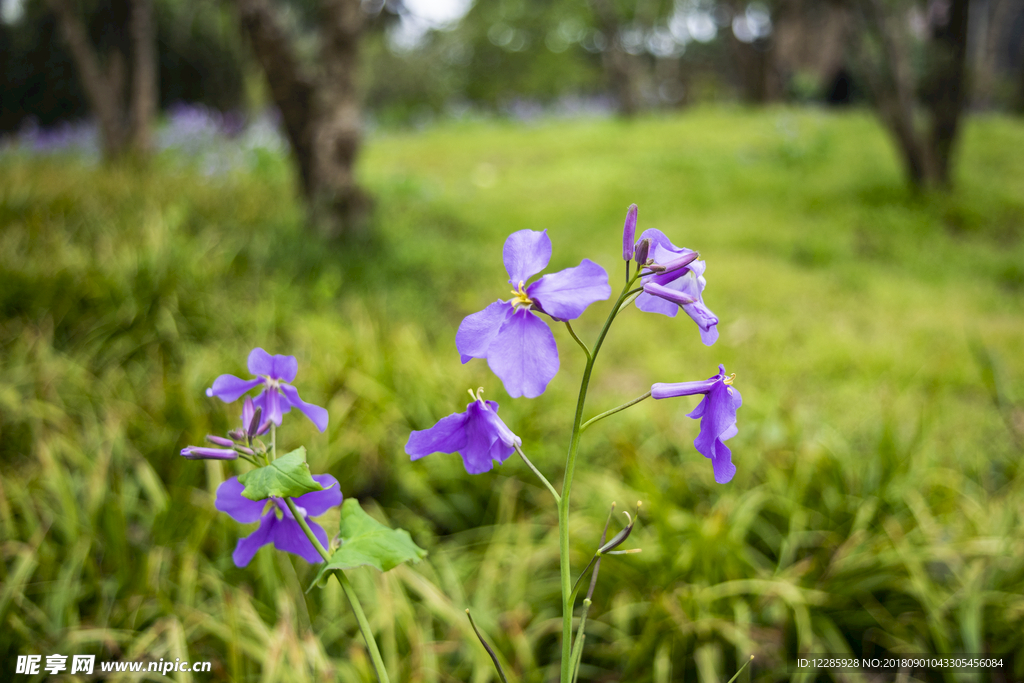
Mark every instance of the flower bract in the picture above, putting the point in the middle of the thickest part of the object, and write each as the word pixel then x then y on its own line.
pixel 277 525
pixel 680 284
pixel 519 347
pixel 717 415
pixel 278 396
pixel 478 434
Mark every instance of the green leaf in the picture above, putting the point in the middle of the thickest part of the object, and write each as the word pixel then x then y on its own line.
pixel 365 541
pixel 287 476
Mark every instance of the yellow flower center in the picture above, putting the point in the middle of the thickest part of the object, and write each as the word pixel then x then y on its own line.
pixel 519 297
pixel 730 379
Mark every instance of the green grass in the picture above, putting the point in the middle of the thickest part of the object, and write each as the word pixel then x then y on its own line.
pixel 877 335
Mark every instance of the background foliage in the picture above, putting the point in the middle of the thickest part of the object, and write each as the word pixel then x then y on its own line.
pixel 877 336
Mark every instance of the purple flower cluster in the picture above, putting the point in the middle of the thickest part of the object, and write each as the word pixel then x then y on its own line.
pixel 278 526
pixel 520 348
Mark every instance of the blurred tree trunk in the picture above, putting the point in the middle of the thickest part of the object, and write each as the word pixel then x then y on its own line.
pixel 124 127
pixel 321 110
pixel 755 64
pixel 619 67
pixel 883 56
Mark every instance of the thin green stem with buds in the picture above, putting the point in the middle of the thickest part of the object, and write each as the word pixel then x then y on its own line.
pixel 350 593
pixel 568 597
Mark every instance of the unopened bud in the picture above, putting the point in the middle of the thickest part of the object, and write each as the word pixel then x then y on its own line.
pixel 237 434
pixel 254 423
pixel 628 232
pixel 643 247
pixel 198 453
pixel 220 440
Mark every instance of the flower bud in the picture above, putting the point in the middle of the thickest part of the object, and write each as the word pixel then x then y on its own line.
pixel 629 233
pixel 220 440
pixel 254 423
pixel 643 247
pixel 198 453
pixel 237 434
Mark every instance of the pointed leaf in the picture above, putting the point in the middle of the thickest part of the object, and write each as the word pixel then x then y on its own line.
pixel 365 541
pixel 287 476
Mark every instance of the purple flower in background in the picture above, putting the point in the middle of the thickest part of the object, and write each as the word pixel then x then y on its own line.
pixel 678 282
pixel 717 414
pixel 279 397
pixel 277 525
pixel 248 412
pixel 520 349
pixel 478 435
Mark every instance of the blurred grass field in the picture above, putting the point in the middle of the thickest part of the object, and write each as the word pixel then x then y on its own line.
pixel 877 337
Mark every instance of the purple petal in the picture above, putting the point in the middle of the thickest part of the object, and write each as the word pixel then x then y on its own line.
pixel 718 417
pixel 241 509
pixel 706 321
pixel 566 294
pixel 229 388
pixel 247 547
pixel 648 303
pixel 662 249
pixel 271 402
pixel 315 413
pixel 447 436
pixel 526 253
pixel 318 502
pixel 477 331
pixel 721 462
pixel 524 355
pixel 288 536
pixel 628 233
pixel 487 438
pixel 276 367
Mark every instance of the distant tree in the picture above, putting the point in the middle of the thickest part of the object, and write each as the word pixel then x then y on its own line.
pixel 937 90
pixel 124 114
pixel 319 104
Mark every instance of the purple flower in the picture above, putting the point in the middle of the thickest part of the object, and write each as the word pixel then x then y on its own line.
pixel 277 525
pixel 248 412
pixel 478 435
pixel 717 414
pixel 677 283
pixel 520 349
pixel 278 397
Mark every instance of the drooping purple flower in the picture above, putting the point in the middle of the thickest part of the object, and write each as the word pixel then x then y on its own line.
pixel 478 434
pixel 520 349
pixel 277 525
pixel 717 415
pixel 678 282
pixel 628 232
pixel 278 397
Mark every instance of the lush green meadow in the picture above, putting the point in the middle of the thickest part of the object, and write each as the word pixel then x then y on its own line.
pixel 877 337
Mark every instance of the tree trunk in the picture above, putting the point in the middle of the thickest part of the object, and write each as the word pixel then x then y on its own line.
pixel 145 92
pixel 120 130
pixel 618 64
pixel 927 154
pixel 321 112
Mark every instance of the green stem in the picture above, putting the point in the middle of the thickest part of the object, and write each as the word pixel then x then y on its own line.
pixel 273 440
pixel 579 341
pixel 537 472
pixel 563 503
pixel 350 593
pixel 614 410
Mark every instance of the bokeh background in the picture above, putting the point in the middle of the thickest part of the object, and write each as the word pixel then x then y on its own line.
pixel 154 233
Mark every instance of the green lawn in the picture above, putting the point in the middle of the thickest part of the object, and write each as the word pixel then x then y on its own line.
pixel 877 337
